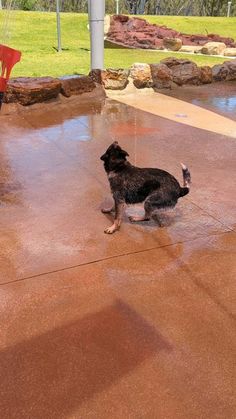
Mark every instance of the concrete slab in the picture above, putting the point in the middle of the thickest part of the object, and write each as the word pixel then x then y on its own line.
pixel 138 336
pixel 138 324
pixel 54 184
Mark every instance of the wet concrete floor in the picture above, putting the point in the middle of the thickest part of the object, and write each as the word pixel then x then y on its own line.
pixel 220 99
pixel 140 324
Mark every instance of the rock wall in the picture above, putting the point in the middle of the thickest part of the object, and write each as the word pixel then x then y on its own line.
pixel 138 33
pixel 30 90
pixel 167 74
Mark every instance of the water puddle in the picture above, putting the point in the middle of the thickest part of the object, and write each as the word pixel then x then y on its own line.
pixel 224 104
pixel 75 129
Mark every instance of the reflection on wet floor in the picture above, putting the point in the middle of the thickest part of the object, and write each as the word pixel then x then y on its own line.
pixel 218 97
pixel 225 104
pixel 74 129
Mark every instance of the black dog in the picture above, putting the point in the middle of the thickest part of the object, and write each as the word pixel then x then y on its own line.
pixel 129 185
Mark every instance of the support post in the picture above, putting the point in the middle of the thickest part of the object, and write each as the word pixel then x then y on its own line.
pixel 59 49
pixel 96 9
pixel 229 7
pixel 117 7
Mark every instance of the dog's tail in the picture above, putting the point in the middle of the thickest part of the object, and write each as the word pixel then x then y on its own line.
pixel 187 180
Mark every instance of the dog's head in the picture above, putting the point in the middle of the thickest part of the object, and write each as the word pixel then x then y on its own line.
pixel 114 157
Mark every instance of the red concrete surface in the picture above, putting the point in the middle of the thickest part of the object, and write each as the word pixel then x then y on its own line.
pixel 140 324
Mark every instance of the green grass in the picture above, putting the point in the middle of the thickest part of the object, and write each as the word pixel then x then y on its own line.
pixel 34 33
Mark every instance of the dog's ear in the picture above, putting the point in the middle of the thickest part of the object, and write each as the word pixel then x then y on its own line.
pixel 123 153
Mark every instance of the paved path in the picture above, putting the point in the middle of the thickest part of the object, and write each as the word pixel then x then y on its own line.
pixel 140 324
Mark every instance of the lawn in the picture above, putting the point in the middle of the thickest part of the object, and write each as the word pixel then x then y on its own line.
pixel 34 33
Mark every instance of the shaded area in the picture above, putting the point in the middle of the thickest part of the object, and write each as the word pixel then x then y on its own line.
pixel 49 376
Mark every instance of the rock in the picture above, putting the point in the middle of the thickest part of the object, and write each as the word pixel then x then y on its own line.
pixel 162 76
pixel 173 44
pixel 230 52
pixel 192 49
pixel 199 39
pixel 141 75
pixel 205 74
pixel 220 72
pixel 29 90
pixel 183 71
pixel 96 76
pixel 76 85
pixel 213 48
pixel 227 41
pixel 115 79
pixel 231 66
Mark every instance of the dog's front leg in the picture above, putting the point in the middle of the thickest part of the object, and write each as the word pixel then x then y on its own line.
pixel 119 210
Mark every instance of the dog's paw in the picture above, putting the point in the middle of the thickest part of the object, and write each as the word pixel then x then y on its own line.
pixel 110 230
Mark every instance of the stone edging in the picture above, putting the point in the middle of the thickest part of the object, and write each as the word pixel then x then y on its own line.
pixel 31 90
pixel 167 74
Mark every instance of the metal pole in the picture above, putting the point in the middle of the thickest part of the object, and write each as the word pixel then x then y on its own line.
pixel 96 9
pixel 117 7
pixel 59 49
pixel 229 7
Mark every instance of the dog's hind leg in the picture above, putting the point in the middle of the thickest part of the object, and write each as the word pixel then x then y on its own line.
pixel 119 210
pixel 158 201
pixel 108 210
pixel 137 218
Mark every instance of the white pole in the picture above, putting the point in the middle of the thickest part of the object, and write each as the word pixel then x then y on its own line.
pixel 96 9
pixel 117 7
pixel 229 7
pixel 58 27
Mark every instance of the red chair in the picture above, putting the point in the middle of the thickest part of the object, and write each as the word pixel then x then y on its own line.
pixel 8 58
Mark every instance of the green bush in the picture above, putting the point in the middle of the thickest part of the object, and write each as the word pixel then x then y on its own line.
pixel 26 4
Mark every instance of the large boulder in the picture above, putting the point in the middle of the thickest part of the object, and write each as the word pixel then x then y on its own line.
pixel 183 71
pixel 214 48
pixel 205 74
pixel 141 75
pixel 231 66
pixel 30 90
pixel 220 72
pixel 230 52
pixel 111 78
pixel 76 85
pixel 162 76
pixel 172 44
pixel 192 49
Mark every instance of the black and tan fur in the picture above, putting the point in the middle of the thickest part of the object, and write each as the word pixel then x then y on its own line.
pixel 129 184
